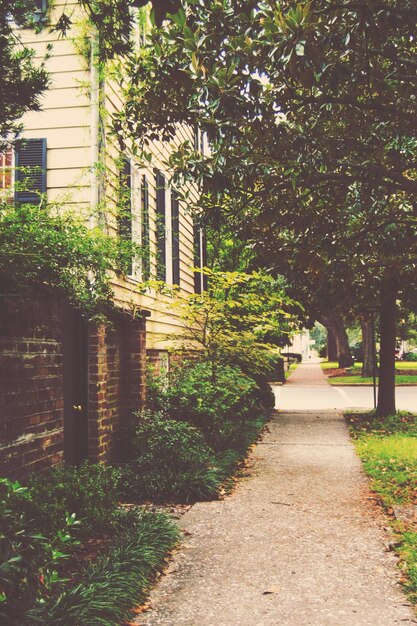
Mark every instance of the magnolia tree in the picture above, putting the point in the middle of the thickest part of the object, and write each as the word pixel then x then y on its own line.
pixel 310 110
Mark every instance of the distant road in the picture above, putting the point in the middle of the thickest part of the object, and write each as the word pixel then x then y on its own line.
pixel 311 394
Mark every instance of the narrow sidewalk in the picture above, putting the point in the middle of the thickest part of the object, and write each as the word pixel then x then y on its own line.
pixel 299 542
pixel 307 374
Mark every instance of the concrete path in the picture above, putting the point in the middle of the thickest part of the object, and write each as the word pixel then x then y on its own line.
pixel 307 375
pixel 307 389
pixel 299 542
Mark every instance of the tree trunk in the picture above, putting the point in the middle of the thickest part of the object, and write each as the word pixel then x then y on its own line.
pixel 388 328
pixel 367 347
pixel 331 345
pixel 335 325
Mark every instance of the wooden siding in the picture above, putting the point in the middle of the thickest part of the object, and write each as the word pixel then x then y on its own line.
pixel 65 123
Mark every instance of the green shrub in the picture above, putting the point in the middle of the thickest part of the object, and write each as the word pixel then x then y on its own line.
pixel 29 560
pixel 170 460
pixel 117 581
pixel 218 401
pixel 264 395
pixel 89 491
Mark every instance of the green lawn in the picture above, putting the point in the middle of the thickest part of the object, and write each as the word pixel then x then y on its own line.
pixel 329 365
pixel 388 449
pixel 355 378
pixel 399 365
pixel 293 367
pixel 400 379
pixel 406 365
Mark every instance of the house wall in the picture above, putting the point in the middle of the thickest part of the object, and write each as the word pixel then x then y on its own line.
pixel 32 412
pixel 65 122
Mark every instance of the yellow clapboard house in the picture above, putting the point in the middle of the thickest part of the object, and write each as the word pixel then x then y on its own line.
pixel 91 378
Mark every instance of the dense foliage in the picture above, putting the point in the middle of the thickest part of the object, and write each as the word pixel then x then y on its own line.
pixel 309 108
pixel 29 557
pixel 239 318
pixel 170 460
pixel 200 423
pixel 218 402
pixel 47 527
pixel 23 80
pixel 45 249
pixel 90 492
pixel 109 588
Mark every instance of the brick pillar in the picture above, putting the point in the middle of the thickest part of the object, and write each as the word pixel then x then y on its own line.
pixel 97 390
pixel 116 388
pixel 134 386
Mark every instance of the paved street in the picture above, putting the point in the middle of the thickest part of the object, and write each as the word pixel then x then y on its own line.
pixel 299 541
pixel 313 393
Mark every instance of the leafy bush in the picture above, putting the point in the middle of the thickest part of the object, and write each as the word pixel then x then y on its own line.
pixel 276 370
pixel 170 460
pixel 409 356
pixel 110 587
pixel 89 491
pixel 265 397
pixel 357 351
pixel 323 352
pixel 29 561
pixel 217 399
pixel 61 255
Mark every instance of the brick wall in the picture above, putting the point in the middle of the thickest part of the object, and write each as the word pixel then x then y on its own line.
pixel 32 389
pixel 117 362
pixel 31 394
pixel 158 361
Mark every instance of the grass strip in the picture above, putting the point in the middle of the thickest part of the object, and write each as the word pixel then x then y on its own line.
pixel 388 449
pixel 116 582
pixel 289 371
pixel 349 379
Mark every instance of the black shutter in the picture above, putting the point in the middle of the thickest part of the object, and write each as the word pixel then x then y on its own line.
pixel 196 139
pixel 41 5
pixel 125 206
pixel 30 162
pixel 146 258
pixel 175 227
pixel 204 257
pixel 160 226
pixel 197 259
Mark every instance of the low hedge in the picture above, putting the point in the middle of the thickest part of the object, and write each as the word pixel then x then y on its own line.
pixel 109 588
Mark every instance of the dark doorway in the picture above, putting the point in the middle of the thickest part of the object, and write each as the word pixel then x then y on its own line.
pixel 75 362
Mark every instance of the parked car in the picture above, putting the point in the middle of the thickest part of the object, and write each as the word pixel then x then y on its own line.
pixel 293 355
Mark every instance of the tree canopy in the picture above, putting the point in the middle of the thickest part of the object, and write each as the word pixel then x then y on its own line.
pixel 22 81
pixel 310 109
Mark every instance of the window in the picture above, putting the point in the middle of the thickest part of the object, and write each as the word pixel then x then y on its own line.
pixel 30 171
pixel 175 230
pixel 41 5
pixel 6 172
pixel 160 226
pixel 38 15
pixel 145 237
pixel 125 206
pixel 28 175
